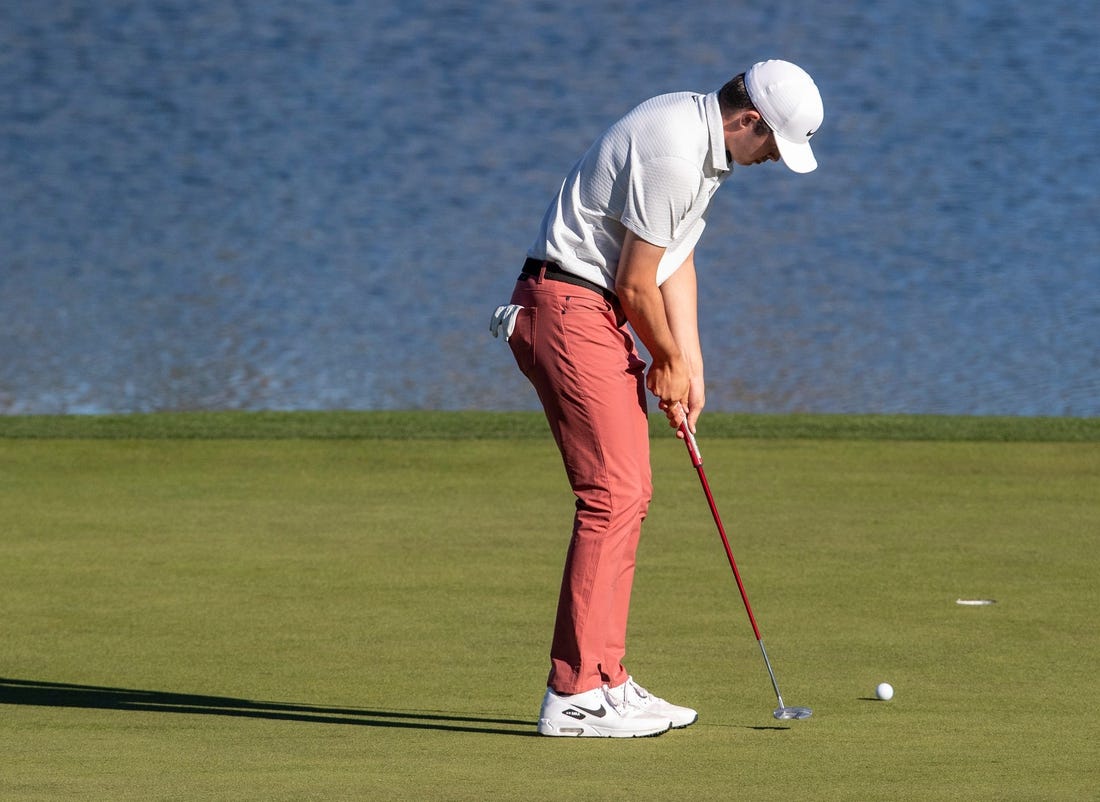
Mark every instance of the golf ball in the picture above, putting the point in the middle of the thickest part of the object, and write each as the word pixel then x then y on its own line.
pixel 884 691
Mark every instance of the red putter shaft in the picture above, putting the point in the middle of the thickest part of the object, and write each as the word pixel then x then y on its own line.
pixel 697 461
pixel 782 712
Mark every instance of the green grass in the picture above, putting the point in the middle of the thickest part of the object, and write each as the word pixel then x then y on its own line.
pixel 510 425
pixel 358 606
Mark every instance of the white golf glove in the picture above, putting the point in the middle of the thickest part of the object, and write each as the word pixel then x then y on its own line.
pixel 504 318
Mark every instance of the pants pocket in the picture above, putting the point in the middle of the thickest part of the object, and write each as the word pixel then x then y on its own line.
pixel 522 341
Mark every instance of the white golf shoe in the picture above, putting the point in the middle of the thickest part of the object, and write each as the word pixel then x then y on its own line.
pixel 599 713
pixel 638 697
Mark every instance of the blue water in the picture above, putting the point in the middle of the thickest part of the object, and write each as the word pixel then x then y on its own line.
pixel 316 205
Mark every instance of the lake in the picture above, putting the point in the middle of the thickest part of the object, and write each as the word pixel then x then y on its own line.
pixel 317 205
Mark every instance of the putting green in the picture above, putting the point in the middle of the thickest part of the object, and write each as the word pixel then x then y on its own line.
pixel 300 607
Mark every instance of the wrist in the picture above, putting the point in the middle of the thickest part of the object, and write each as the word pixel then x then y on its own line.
pixel 670 361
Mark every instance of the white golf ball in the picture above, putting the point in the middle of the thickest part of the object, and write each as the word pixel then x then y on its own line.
pixel 884 691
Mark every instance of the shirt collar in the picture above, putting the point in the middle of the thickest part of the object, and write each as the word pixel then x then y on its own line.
pixel 718 159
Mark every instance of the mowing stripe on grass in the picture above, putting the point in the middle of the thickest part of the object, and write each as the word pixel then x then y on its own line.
pixel 472 425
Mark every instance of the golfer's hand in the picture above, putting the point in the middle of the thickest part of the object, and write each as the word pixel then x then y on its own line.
pixel 696 401
pixel 671 383
pixel 690 412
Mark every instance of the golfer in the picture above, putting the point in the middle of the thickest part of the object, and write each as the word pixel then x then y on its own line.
pixel 616 247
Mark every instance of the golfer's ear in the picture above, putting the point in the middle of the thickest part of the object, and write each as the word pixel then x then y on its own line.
pixel 745 118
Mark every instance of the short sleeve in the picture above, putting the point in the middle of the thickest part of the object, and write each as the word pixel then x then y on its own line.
pixel 658 196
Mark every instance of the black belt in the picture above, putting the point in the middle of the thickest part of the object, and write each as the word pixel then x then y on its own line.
pixel 532 267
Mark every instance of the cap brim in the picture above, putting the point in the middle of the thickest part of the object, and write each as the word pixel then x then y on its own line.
pixel 797 156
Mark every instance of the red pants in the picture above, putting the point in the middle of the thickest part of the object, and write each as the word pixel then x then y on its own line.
pixel 575 349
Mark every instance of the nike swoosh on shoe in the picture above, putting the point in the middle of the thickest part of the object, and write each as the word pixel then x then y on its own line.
pixel 597 713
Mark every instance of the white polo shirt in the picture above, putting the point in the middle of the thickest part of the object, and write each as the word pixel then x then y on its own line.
pixel 652 172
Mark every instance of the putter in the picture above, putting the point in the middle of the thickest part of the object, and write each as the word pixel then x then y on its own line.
pixel 782 712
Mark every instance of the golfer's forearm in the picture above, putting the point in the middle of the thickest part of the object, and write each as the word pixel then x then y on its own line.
pixel 645 309
pixel 641 299
pixel 680 297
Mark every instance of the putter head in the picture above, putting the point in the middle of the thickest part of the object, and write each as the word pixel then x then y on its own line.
pixel 788 713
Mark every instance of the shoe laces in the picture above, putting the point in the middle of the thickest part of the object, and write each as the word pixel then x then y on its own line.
pixel 616 697
pixel 628 695
pixel 644 696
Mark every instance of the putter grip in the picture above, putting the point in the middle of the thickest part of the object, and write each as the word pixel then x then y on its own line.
pixel 692 445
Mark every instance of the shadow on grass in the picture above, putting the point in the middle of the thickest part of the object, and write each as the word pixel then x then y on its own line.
pixel 90 697
pixel 767 729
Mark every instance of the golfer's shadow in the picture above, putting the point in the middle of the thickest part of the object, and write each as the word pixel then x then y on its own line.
pixel 91 697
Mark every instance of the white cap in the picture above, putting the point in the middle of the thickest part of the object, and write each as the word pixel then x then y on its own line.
pixel 788 100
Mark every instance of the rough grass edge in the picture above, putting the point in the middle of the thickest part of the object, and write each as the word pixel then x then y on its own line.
pixel 469 425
